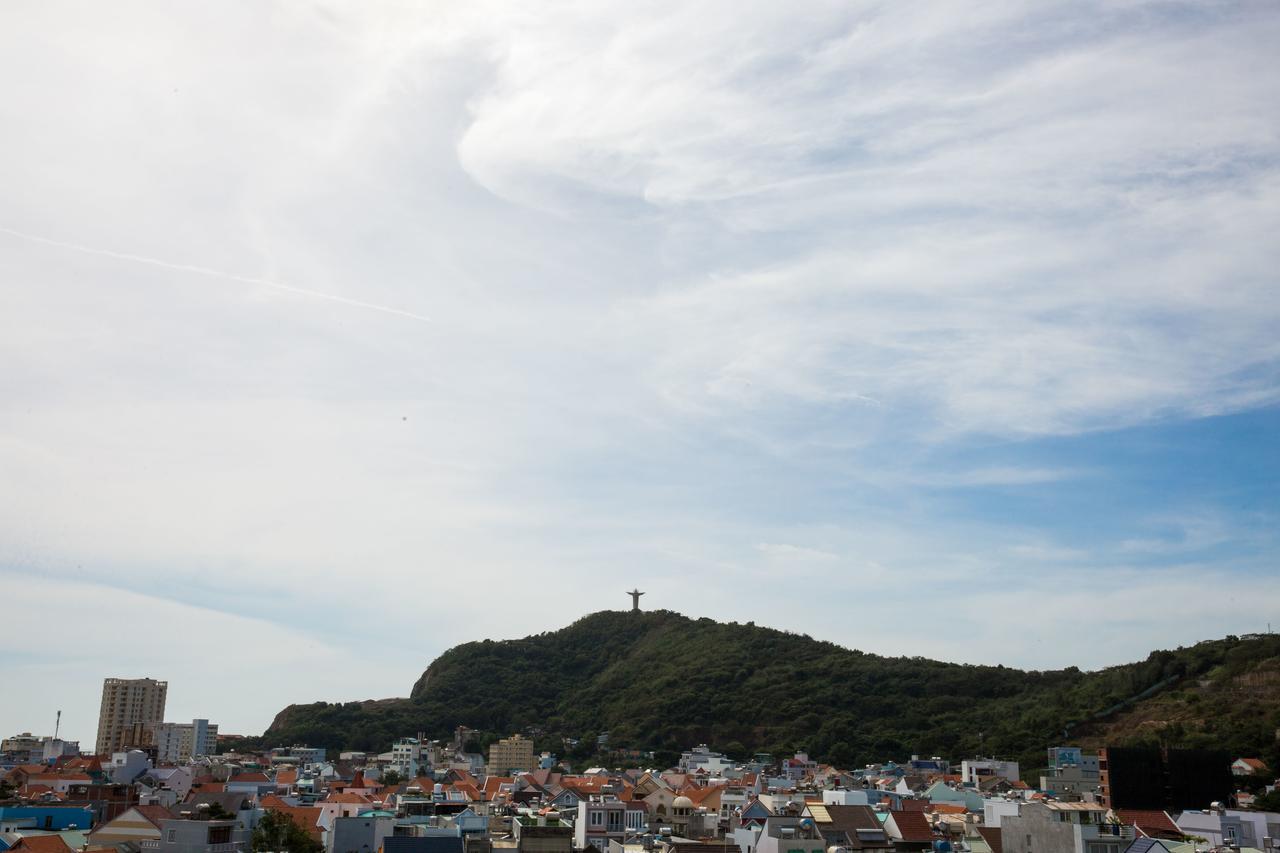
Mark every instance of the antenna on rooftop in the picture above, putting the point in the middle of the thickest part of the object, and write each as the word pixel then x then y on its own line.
pixel 57 725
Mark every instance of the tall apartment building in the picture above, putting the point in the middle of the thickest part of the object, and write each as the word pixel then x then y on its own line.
pixel 129 707
pixel 178 742
pixel 511 754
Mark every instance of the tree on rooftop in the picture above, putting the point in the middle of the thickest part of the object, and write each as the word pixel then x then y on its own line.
pixel 278 833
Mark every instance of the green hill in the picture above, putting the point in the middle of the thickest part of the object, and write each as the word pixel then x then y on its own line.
pixel 658 680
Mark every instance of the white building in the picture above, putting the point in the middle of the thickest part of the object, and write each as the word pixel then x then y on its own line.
pixel 979 770
pixel 702 758
pixel 412 756
pixel 127 766
pixel 180 742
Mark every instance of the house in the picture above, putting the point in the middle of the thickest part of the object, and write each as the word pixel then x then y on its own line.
pixel 598 822
pixel 1230 827
pixel 1150 823
pixel 854 827
pixel 357 834
pixel 909 829
pixel 46 818
pixel 422 844
pixel 41 844
pixel 755 813
pixel 140 823
pixel 541 835
pixel 787 834
pixel 1248 767
pixel 199 836
pixel 1058 827
pixel 976 771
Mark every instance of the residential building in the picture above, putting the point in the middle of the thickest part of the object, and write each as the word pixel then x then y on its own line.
pixel 129 706
pixel 1072 774
pixel 788 834
pixel 301 756
pixel 177 743
pixel 359 834
pixel 1248 766
pixel 52 748
pixel 1159 778
pixel 1057 827
pixel 853 827
pixel 1231 827
pixel 140 823
pixel 976 771
pixel 127 766
pixel 22 746
pixel 542 834
pixel 199 836
pixel 702 758
pixel 599 821
pixel 511 755
pixel 411 756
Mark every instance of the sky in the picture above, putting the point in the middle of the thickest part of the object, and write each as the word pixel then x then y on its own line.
pixel 333 335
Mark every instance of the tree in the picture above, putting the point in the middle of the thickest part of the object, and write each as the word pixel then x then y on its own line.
pixel 1268 802
pixel 391 777
pixel 277 833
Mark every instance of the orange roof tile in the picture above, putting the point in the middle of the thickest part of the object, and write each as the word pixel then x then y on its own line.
pixel 43 844
pixel 306 817
pixel 913 826
pixel 1150 822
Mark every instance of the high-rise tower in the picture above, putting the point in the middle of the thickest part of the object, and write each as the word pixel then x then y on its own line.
pixel 129 706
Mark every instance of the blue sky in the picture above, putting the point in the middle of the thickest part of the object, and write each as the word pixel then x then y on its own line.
pixel 336 334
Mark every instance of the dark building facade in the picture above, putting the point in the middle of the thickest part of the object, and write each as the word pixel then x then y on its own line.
pixel 1165 779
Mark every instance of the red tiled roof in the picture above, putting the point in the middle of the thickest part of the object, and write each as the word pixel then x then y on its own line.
pixel 305 817
pixel 913 826
pixel 154 814
pixel 252 778
pixel 1150 822
pixel 346 797
pixel 43 844
pixel 991 835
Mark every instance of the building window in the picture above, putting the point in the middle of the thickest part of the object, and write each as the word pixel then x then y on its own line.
pixel 219 834
pixel 173 836
pixel 597 818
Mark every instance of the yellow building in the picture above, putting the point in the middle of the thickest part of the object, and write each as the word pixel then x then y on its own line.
pixel 511 755
pixel 129 707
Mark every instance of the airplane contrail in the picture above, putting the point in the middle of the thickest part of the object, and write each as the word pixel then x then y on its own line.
pixel 205 271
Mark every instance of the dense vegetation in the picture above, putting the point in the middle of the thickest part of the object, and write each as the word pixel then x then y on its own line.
pixel 661 681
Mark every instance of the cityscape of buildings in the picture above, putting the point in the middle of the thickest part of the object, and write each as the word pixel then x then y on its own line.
pixel 166 787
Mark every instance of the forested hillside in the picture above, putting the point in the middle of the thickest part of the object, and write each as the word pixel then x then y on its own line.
pixel 659 680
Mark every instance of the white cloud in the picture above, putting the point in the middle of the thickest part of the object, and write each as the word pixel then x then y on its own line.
pixel 709 286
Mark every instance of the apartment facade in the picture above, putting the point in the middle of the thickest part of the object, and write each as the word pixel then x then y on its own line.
pixel 511 755
pixel 178 742
pixel 130 706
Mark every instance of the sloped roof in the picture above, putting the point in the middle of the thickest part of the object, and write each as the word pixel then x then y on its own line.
pixel 991 835
pixel 305 817
pixel 912 826
pixel 1150 822
pixel 153 814
pixel 43 844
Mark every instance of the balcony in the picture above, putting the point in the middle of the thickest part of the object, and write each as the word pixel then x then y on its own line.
pixel 1106 832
